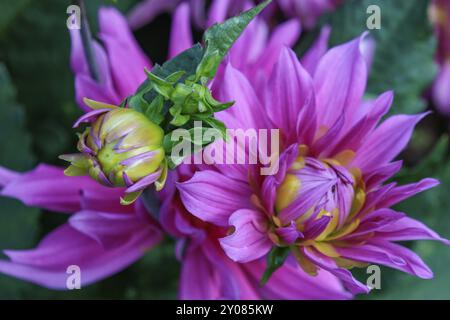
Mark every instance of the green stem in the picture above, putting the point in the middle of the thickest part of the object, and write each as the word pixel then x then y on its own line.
pixel 86 38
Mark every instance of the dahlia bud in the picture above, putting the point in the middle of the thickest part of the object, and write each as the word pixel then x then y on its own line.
pixel 121 148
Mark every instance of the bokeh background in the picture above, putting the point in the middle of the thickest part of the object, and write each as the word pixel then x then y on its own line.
pixel 37 108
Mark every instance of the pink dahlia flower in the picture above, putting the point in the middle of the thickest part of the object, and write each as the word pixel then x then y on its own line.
pixel 328 202
pixel 440 16
pixel 103 237
pixel 306 11
pixel 208 273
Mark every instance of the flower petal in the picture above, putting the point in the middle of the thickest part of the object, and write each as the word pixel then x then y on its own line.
pixel 47 264
pixel 181 35
pixel 127 60
pixel 47 187
pixel 291 93
pixel 213 197
pixel 249 241
pixel 340 81
pixel 386 142
pixel 328 264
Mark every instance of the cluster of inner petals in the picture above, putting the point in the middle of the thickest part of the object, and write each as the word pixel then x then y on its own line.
pixel 336 195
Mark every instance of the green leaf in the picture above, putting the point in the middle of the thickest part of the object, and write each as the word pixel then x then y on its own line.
pixel 275 260
pixel 219 38
pixel 405 46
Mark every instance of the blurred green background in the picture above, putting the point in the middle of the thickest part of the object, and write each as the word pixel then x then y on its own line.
pixel 37 109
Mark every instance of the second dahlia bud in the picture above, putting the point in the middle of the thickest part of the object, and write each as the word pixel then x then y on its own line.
pixel 120 148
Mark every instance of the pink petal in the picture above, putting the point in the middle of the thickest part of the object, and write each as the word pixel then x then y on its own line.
pixel 213 197
pixel 291 93
pixel 386 142
pixel 311 58
pixel 47 264
pixel 127 59
pixel 47 187
pixel 340 82
pixel 181 35
pixel 249 241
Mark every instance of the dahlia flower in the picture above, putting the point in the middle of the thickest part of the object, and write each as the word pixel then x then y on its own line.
pixel 440 16
pixel 306 11
pixel 101 236
pixel 328 204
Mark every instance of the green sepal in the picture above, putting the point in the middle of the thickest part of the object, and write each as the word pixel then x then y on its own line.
pixel 129 198
pixel 275 260
pixel 154 110
pixel 79 164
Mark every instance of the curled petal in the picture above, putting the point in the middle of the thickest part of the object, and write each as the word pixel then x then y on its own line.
pixel 249 241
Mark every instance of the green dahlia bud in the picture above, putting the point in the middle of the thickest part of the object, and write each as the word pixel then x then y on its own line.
pixel 121 148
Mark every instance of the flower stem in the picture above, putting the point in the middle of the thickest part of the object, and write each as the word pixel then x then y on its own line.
pixel 86 38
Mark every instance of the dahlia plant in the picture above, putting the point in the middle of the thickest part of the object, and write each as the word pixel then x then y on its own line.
pixel 102 236
pixel 240 235
pixel 327 207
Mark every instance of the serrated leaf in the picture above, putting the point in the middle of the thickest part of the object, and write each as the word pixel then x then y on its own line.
pixel 219 38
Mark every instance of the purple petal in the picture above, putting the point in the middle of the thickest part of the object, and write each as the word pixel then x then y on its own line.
pixel 85 85
pixel 340 82
pixel 389 254
pixel 382 174
pixel 108 229
pixel 90 116
pixel 328 264
pixel 246 113
pixel 355 136
pixel 289 282
pixel 126 58
pixel 213 197
pixel 7 176
pixel 401 193
pixel 289 234
pixel 145 11
pixel 441 93
pixel 314 228
pixel 198 279
pixel 47 264
pixel 312 57
pixel 249 241
pixel 386 142
pixel 408 229
pixel 284 35
pixel 144 182
pixel 291 93
pixel 47 187
pixel 181 35
pixel 375 221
